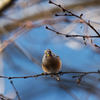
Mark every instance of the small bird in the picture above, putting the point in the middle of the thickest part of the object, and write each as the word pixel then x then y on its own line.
pixel 51 63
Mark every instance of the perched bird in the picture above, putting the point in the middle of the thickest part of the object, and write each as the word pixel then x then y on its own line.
pixel 51 63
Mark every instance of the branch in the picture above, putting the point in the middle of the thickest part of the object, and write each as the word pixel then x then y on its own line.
pixel 11 39
pixel 79 77
pixel 72 14
pixel 84 36
pixel 15 90
pixel 27 25
pixel 2 97
pixel 60 73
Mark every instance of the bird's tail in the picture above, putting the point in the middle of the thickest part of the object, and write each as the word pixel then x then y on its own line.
pixel 57 77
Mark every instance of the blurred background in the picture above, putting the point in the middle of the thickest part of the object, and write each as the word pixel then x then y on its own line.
pixel 23 39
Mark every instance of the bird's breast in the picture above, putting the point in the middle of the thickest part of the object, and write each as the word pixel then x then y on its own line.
pixel 51 64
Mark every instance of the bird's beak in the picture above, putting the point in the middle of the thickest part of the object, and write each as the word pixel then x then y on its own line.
pixel 47 53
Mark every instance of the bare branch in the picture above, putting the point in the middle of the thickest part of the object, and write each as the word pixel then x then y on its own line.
pixel 72 14
pixel 83 36
pixel 60 73
pixel 2 97
pixel 15 90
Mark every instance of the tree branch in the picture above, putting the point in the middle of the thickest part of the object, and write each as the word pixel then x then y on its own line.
pixel 60 73
pixel 84 36
pixel 2 97
pixel 72 14
pixel 15 90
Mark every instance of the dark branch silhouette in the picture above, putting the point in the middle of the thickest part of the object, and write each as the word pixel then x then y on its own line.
pixel 60 73
pixel 72 14
pixel 83 36
pixel 15 90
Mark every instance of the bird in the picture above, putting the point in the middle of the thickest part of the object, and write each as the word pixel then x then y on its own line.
pixel 51 63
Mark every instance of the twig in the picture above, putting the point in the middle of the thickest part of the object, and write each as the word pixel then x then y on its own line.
pixel 20 48
pixel 72 14
pixel 60 73
pixel 84 36
pixel 25 26
pixel 11 39
pixel 68 90
pixel 15 90
pixel 2 97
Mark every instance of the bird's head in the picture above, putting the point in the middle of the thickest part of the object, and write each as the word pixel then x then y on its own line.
pixel 48 52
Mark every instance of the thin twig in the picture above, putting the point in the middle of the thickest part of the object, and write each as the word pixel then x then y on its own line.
pixel 2 97
pixel 15 90
pixel 20 48
pixel 72 14
pixel 68 90
pixel 84 36
pixel 25 26
pixel 11 39
pixel 60 73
